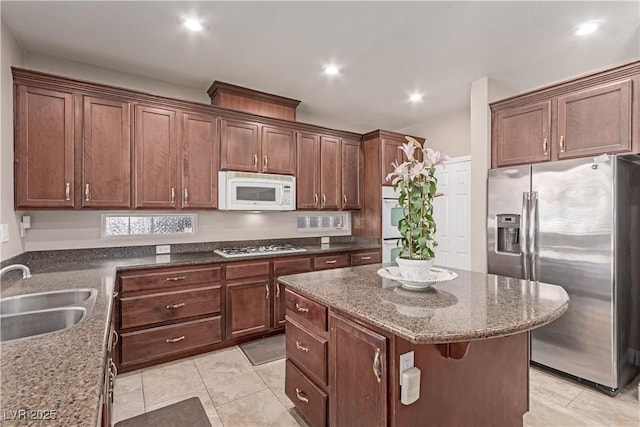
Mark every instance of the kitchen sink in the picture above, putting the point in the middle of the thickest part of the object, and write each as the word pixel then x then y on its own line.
pixel 31 324
pixel 45 300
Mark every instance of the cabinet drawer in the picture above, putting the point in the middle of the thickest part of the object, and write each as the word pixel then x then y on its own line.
pixel 307 397
pixel 150 344
pixel 362 258
pixel 247 269
pixel 155 308
pixel 291 266
pixel 132 282
pixel 330 261
pixel 305 311
pixel 307 351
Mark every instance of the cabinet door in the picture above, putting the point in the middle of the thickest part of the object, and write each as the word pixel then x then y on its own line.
pixel 522 135
pixel 199 161
pixel 155 145
pixel 247 307
pixel 279 305
pixel 44 168
pixel 390 153
pixel 351 174
pixel 357 362
pixel 595 120
pixel 239 146
pixel 106 153
pixel 330 197
pixel 278 150
pixel 307 171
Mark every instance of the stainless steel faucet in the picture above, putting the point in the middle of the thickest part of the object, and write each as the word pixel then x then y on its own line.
pixel 26 273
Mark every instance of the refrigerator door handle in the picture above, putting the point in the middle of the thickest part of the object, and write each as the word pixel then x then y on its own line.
pixel 533 231
pixel 524 227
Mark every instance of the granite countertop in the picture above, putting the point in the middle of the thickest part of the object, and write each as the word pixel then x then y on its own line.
pixel 64 371
pixel 470 307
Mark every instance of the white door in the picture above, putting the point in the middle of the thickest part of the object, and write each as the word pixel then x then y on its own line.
pixel 452 213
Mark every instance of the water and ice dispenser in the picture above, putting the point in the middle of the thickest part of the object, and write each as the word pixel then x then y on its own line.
pixel 508 226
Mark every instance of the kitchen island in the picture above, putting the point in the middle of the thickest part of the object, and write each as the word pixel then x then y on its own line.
pixel 469 337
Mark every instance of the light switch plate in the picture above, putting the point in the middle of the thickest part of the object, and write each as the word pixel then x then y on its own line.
pixel 163 249
pixel 406 362
pixel 4 233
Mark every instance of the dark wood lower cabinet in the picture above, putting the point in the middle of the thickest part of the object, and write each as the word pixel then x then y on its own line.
pixel 358 375
pixel 248 308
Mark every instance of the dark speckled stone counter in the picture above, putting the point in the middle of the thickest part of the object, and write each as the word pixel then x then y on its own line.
pixel 471 307
pixel 64 371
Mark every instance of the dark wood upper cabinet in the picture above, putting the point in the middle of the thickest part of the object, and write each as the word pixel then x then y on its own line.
pixel 106 153
pixel 584 117
pixel 390 150
pixel 357 362
pixel 44 148
pixel 352 163
pixel 239 146
pixel 278 150
pixel 307 171
pixel 330 176
pixel 595 120
pixel 522 134
pixel 155 153
pixel 199 161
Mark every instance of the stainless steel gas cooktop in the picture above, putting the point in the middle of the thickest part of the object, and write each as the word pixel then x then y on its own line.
pixel 257 250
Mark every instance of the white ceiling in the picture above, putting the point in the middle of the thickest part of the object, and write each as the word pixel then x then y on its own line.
pixel 386 49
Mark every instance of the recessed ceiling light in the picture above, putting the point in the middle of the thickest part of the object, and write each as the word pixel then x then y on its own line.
pixel 193 24
pixel 331 70
pixel 415 97
pixel 586 28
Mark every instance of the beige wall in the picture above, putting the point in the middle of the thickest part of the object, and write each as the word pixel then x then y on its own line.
pixel 483 92
pixel 448 133
pixel 77 70
pixel 73 229
pixel 12 54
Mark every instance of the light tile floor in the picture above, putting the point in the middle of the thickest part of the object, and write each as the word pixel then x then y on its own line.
pixel 235 393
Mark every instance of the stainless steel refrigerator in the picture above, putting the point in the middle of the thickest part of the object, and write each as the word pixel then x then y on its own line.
pixel 575 223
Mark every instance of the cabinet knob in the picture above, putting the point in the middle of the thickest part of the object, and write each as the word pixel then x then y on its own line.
pixel 87 192
pixel 67 191
pixel 302 347
pixel 300 395
pixel 377 366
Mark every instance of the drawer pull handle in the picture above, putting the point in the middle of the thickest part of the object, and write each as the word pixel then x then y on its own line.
pixel 377 366
pixel 302 309
pixel 173 306
pixel 175 279
pixel 300 395
pixel 302 347
pixel 116 338
pixel 172 340
pixel 267 288
pixel 277 290
pixel 67 191
pixel 333 261
pixel 365 258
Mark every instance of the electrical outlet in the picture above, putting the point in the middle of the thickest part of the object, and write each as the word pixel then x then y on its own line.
pixel 4 233
pixel 324 240
pixel 163 249
pixel 406 362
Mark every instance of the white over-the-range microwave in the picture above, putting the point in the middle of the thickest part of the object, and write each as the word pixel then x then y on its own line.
pixel 247 191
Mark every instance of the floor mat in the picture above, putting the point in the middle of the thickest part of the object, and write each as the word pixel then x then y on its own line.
pixel 264 350
pixel 188 413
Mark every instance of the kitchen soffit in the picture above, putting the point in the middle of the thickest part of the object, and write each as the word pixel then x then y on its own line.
pixel 386 49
